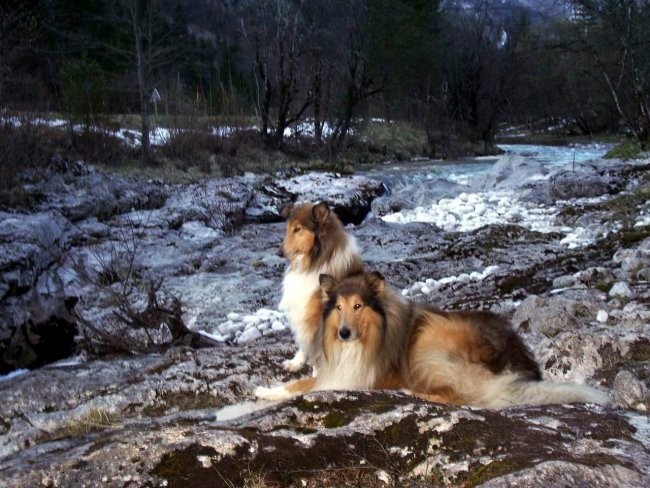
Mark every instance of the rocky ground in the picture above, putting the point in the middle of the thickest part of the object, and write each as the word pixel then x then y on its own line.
pixel 186 417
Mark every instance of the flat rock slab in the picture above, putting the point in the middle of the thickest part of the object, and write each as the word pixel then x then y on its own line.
pixel 335 439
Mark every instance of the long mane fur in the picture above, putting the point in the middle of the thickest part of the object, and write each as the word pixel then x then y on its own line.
pixel 354 365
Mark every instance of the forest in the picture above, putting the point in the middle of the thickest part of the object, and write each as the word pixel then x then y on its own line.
pixel 459 73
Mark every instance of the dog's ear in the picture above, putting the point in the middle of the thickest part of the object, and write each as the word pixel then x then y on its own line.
pixel 286 211
pixel 320 212
pixel 377 282
pixel 327 285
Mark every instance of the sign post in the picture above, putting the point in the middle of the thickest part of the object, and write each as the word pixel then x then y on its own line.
pixel 155 98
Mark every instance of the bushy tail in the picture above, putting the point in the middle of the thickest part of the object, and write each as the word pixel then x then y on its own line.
pixel 509 389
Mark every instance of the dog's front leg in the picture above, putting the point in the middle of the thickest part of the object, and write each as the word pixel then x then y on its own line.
pixel 296 363
pixel 286 390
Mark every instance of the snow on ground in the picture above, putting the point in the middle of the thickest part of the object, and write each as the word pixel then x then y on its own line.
pixel 429 285
pixel 13 374
pixel 248 327
pixel 643 219
pixel 470 211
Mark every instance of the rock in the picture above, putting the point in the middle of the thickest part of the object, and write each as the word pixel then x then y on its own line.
pixel 565 185
pixel 509 172
pixel 598 277
pixel 98 194
pixel 622 290
pixel 550 316
pixel 632 264
pixel 29 244
pixel 349 196
pixel 565 281
pixel 299 441
pixel 630 391
pixel 630 254
pixel 185 416
pixel 561 473
pixel 45 333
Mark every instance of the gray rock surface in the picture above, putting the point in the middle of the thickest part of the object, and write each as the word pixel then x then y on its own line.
pixel 184 417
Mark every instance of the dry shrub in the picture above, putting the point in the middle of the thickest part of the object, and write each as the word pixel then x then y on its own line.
pixel 24 147
pixel 192 148
pixel 99 146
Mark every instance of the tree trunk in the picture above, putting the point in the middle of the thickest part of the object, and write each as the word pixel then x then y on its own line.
pixel 142 88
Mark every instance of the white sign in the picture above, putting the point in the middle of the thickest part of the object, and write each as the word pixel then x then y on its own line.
pixel 155 96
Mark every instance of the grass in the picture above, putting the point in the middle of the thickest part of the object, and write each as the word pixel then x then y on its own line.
pixel 94 420
pixel 400 139
pixel 182 401
pixel 630 149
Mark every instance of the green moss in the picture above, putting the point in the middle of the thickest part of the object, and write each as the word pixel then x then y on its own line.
pixel 182 401
pixel 335 419
pixel 485 472
pixel 626 150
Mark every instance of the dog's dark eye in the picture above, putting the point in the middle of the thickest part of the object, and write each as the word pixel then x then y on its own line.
pixel 357 306
pixel 296 230
pixel 339 308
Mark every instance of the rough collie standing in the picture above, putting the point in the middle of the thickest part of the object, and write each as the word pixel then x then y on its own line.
pixel 315 242
pixel 372 339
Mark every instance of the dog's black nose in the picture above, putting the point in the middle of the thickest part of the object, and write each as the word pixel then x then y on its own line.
pixel 280 252
pixel 344 333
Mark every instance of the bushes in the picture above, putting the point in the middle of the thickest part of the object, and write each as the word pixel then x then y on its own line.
pixel 24 147
pixel 628 150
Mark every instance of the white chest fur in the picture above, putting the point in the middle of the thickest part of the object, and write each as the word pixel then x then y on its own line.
pixel 297 288
pixel 347 368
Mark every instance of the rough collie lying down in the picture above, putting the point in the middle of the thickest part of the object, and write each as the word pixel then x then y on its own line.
pixel 372 339
pixel 315 242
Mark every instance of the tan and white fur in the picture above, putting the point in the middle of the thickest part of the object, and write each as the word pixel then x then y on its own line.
pixel 315 242
pixel 373 339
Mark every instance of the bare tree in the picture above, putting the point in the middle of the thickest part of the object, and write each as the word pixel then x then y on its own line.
pixel 277 34
pixel 356 80
pixel 133 35
pixel 18 30
pixel 616 36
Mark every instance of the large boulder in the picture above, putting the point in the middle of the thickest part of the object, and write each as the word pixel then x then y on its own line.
pixel 349 196
pixel 90 193
pixel 179 420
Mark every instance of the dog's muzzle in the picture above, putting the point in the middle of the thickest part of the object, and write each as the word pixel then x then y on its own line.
pixel 280 252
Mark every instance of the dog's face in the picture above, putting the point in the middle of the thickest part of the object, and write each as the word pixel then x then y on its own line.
pixel 301 236
pixel 352 307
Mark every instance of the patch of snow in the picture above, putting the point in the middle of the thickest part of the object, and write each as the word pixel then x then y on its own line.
pixel 243 327
pixel 429 285
pixel 446 423
pixel 641 423
pixel 15 373
pixel 384 477
pixel 237 410
pixel 249 335
pixel 643 219
pixel 470 211
pixel 214 337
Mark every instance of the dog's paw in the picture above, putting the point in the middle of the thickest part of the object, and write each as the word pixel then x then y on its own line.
pixel 292 365
pixel 275 393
